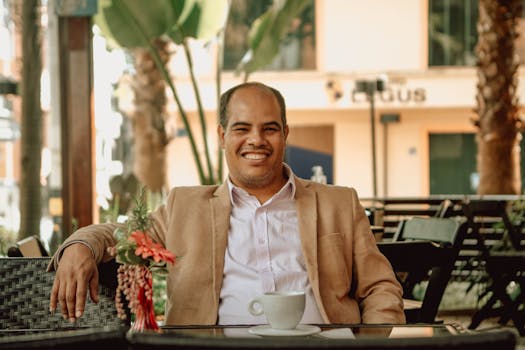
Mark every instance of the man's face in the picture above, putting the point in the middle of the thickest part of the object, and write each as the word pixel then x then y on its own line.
pixel 255 138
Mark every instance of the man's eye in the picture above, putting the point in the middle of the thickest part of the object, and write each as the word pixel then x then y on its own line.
pixel 240 129
pixel 272 129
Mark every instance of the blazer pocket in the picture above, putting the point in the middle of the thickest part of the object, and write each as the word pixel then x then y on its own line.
pixel 333 273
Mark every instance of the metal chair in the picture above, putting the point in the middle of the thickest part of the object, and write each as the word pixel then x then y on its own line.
pixel 25 290
pixel 503 267
pixel 425 248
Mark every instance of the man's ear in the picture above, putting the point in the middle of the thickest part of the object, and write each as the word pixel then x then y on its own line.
pixel 286 131
pixel 220 134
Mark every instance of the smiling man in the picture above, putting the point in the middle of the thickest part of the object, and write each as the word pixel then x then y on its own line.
pixel 253 133
pixel 263 230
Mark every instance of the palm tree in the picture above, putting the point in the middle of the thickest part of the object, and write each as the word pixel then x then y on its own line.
pixel 498 123
pixel 148 117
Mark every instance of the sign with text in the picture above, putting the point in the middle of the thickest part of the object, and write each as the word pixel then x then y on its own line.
pixel 401 94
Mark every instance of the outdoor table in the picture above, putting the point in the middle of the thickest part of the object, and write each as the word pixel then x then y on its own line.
pixel 333 336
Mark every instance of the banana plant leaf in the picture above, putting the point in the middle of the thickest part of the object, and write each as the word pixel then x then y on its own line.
pixel 267 32
pixel 135 23
pixel 203 20
pixel 120 20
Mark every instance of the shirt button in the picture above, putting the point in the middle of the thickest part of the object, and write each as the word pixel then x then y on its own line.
pixel 261 241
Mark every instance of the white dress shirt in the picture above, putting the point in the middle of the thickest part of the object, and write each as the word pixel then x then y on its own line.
pixel 263 255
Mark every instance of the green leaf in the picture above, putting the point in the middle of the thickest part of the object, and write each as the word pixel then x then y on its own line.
pixel 122 257
pixel 133 259
pixel 183 9
pixel 261 26
pixel 161 271
pixel 132 23
pixel 267 32
pixel 204 20
pixel 140 219
pixel 119 234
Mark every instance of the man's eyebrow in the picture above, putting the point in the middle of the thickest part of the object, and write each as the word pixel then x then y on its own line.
pixel 240 124
pixel 273 124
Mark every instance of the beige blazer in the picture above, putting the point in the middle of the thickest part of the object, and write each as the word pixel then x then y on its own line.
pixel 351 280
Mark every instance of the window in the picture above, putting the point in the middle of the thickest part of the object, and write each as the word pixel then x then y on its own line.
pixel 297 49
pixel 452 33
pixel 452 165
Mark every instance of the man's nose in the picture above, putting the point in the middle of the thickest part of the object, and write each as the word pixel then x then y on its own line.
pixel 256 138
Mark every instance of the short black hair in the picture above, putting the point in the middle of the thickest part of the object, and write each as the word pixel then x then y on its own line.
pixel 226 96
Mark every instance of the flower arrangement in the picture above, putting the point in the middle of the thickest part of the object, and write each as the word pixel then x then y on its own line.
pixel 139 256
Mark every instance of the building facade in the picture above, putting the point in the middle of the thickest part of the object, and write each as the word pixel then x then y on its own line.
pixel 423 130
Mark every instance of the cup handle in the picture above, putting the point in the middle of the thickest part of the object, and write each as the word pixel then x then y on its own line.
pixel 255 311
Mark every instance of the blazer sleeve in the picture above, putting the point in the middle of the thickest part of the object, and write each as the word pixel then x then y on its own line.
pixel 97 237
pixel 376 287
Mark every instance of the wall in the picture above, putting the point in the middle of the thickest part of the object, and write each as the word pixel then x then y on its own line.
pixel 377 35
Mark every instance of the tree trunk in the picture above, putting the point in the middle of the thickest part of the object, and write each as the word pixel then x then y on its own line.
pixel 150 137
pixel 498 135
pixel 31 121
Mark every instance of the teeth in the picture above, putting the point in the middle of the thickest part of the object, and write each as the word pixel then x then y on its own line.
pixel 254 156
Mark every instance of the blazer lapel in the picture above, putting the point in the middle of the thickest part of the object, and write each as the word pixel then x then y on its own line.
pixel 307 217
pixel 220 206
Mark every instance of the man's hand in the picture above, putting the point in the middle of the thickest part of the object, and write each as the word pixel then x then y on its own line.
pixel 77 271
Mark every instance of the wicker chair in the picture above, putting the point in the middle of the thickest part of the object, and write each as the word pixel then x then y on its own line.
pixel 25 291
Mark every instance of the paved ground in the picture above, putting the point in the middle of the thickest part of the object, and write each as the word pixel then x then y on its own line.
pixel 463 318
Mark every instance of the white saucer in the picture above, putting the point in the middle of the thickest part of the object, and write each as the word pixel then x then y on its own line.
pixel 300 330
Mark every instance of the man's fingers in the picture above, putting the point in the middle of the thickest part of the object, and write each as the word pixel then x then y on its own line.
pixel 54 296
pixel 93 288
pixel 62 302
pixel 76 269
pixel 71 297
pixel 80 298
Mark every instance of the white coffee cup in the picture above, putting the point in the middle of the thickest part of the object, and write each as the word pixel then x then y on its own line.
pixel 283 310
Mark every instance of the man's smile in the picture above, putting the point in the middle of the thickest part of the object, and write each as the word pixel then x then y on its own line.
pixel 255 155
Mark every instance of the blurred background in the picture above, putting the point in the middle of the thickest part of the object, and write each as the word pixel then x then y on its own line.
pixel 394 98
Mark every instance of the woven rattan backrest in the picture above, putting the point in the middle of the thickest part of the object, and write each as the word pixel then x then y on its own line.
pixel 25 287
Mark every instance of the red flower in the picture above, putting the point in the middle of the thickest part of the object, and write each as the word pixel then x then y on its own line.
pixel 146 248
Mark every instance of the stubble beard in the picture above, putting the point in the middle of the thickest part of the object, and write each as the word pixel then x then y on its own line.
pixel 255 181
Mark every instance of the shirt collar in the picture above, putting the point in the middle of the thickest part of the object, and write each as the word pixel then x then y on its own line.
pixel 287 191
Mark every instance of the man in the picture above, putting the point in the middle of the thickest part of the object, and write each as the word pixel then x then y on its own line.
pixel 264 229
